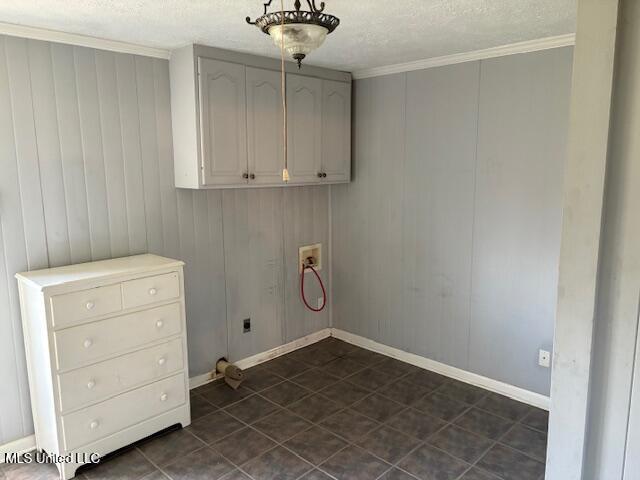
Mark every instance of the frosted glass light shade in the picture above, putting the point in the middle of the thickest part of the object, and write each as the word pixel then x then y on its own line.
pixel 299 38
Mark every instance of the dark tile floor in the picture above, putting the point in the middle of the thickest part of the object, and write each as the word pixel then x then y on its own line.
pixel 335 411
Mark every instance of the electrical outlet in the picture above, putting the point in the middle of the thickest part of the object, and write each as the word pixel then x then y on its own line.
pixel 544 358
pixel 246 325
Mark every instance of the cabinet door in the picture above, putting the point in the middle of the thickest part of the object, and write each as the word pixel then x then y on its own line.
pixel 336 131
pixel 264 126
pixel 222 122
pixel 304 107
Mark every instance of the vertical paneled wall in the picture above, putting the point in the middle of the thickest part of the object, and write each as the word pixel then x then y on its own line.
pixel 446 243
pixel 522 124
pixel 86 173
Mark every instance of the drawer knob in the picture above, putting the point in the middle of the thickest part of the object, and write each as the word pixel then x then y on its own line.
pixel 91 384
pixel 90 305
pixel 93 425
pixel 163 397
pixel 87 343
pixel 159 324
pixel 162 361
pixel 152 291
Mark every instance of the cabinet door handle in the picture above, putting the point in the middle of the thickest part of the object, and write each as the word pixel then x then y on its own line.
pixel 319 174
pixel 159 324
pixel 163 397
pixel 87 343
pixel 91 384
pixel 162 361
pixel 93 425
pixel 152 291
pixel 90 305
pixel 324 175
pixel 252 176
pixel 245 175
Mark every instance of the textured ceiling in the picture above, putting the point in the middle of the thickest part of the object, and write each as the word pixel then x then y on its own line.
pixel 372 33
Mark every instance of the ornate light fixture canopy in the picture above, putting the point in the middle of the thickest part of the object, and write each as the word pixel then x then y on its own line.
pixel 303 30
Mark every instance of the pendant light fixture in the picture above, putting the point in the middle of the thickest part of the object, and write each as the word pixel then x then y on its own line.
pixel 299 31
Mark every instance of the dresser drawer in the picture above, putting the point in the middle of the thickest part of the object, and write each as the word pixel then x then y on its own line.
pixel 145 291
pixel 98 421
pixel 84 344
pixel 74 307
pixel 105 379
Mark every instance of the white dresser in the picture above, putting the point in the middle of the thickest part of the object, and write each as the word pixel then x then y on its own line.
pixel 106 353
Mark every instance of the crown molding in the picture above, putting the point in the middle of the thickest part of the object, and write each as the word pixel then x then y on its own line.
pixel 493 52
pixel 80 40
pixel 135 49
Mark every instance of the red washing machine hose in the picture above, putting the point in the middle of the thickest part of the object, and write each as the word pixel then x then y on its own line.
pixel 324 292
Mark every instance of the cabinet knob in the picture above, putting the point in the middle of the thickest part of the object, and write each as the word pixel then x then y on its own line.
pixel 319 174
pixel 87 343
pixel 163 397
pixel 94 424
pixel 162 361
pixel 252 176
pixel 152 291
pixel 324 175
pixel 159 324
pixel 90 305
pixel 91 384
pixel 245 175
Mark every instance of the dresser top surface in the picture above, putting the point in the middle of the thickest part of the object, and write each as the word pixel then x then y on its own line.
pixel 50 277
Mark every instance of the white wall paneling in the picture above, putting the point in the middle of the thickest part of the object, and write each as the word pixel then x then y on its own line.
pixel 523 121
pixel 253 258
pixel 306 221
pixel 87 173
pixel 363 249
pixel 439 205
pixel 461 166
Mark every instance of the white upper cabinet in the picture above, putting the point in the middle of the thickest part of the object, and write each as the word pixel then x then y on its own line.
pixel 227 119
pixel 304 108
pixel 223 122
pixel 336 131
pixel 264 126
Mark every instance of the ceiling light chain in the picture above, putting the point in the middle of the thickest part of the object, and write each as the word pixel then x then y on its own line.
pixel 285 170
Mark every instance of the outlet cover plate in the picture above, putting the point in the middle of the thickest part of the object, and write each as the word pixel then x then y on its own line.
pixel 544 358
pixel 306 251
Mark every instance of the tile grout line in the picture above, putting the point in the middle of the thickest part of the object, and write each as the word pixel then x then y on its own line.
pixel 448 424
pixel 375 391
pixel 372 387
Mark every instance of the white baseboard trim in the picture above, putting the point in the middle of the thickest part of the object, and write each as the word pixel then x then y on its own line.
pixel 20 445
pixel 283 349
pixel 199 380
pixel 537 400
pixel 517 393
pixel 259 358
